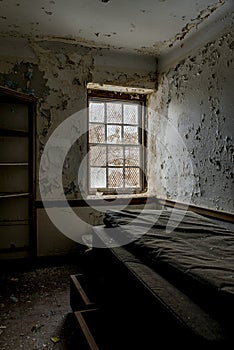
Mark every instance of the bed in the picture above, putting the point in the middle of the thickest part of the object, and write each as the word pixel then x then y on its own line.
pixel 172 263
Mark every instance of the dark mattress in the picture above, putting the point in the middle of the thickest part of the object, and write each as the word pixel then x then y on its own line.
pixel 191 251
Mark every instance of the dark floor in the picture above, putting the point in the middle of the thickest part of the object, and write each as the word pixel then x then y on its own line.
pixel 35 310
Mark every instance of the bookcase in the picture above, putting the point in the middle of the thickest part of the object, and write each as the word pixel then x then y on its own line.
pixel 17 174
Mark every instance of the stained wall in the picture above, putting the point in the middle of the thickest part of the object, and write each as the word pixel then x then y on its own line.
pixel 190 119
pixel 57 73
pixel 193 116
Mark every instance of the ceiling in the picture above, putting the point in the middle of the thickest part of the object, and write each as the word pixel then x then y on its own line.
pixel 148 26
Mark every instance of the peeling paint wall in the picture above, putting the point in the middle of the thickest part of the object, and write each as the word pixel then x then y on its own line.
pixel 57 73
pixel 194 122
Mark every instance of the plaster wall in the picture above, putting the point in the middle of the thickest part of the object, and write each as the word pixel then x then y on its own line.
pixel 57 73
pixel 194 123
pixel 190 119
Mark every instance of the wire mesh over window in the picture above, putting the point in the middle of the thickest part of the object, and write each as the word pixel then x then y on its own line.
pixel 115 145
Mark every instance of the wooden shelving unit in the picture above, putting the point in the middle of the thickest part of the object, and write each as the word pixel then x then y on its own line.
pixel 17 174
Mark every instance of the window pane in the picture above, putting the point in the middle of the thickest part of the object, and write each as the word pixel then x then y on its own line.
pixel 132 156
pixel 114 113
pixel 132 177
pixel 115 150
pixel 97 156
pixel 96 112
pixel 130 134
pixel 114 134
pixel 97 177
pixel 115 156
pixel 96 133
pixel 130 114
pixel 115 178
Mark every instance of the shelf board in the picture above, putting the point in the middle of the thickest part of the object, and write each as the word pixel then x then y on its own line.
pixel 10 195
pixel 13 164
pixel 13 132
pixel 7 93
pixel 14 222
pixel 14 250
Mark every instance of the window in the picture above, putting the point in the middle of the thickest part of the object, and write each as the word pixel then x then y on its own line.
pixel 116 152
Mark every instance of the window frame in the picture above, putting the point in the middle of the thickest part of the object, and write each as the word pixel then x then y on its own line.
pixel 108 96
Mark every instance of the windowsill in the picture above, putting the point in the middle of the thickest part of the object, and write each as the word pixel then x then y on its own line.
pixel 117 196
pixel 101 200
pixel 100 197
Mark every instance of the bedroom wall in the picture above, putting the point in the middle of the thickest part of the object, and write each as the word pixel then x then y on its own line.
pixel 190 118
pixel 57 73
pixel 193 117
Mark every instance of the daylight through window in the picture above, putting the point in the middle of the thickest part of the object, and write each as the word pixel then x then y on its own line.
pixel 115 145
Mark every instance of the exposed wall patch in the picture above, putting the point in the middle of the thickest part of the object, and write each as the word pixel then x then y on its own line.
pixel 201 109
pixel 195 22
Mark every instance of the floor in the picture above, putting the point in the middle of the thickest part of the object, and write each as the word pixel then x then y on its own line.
pixel 35 310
